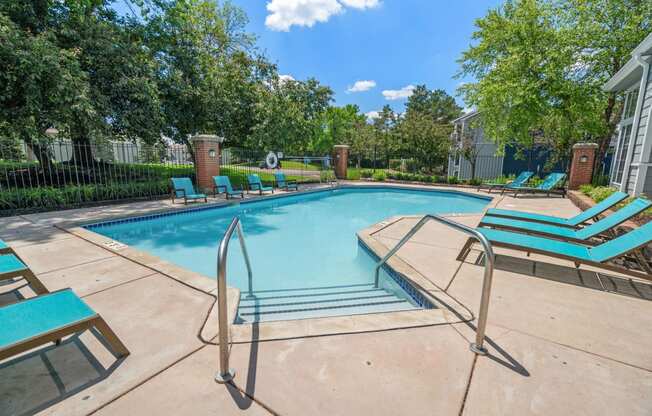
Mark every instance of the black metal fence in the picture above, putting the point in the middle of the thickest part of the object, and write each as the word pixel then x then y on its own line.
pixel 63 174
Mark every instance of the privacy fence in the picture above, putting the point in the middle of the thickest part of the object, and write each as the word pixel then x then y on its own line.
pixel 62 174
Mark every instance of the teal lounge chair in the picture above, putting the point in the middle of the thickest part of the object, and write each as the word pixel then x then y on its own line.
pixel 573 222
pixel 4 248
pixel 255 184
pixel 520 180
pixel 12 267
pixel 47 318
pixel 183 188
pixel 552 184
pixel 626 246
pixel 584 235
pixel 282 183
pixel 223 184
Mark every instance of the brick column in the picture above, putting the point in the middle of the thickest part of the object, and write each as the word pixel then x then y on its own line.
pixel 341 160
pixel 207 159
pixel 581 171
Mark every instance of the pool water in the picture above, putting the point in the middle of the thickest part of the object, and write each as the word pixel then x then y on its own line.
pixel 299 243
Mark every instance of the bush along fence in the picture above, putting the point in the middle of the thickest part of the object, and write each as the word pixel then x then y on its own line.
pixel 62 174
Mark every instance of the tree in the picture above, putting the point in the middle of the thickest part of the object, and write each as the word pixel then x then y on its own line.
pixel 468 148
pixel 106 86
pixel 540 65
pixel 386 140
pixel 290 116
pixel 427 139
pixel 340 127
pixel 604 32
pixel 41 86
pixel 437 104
pixel 208 77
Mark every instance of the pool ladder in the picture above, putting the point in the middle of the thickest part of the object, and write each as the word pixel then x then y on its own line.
pixel 477 346
pixel 225 373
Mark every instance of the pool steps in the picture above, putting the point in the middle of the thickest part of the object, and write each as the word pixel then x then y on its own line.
pixel 279 305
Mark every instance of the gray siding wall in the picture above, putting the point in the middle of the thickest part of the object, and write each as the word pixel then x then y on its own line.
pixel 488 165
pixel 638 142
pixel 642 125
pixel 647 185
pixel 645 118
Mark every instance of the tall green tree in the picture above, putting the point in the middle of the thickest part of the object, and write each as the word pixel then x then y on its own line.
pixel 41 86
pixel 540 65
pixel 290 116
pixel 437 104
pixel 209 77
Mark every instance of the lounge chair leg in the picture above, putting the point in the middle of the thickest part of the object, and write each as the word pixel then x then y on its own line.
pixel 577 265
pixel 465 249
pixel 112 338
pixel 640 259
pixel 35 283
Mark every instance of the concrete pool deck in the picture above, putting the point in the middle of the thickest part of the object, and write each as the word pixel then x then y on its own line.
pixel 560 342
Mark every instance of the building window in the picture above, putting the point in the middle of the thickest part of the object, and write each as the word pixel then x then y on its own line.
pixel 621 156
pixel 626 126
pixel 630 104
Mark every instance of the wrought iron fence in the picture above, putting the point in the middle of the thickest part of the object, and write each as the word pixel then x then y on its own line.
pixel 63 174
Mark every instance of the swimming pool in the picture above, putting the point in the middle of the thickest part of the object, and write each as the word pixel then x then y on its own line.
pixel 304 251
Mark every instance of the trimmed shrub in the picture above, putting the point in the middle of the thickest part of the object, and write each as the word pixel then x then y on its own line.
pixel 452 180
pixel 366 173
pixel 379 176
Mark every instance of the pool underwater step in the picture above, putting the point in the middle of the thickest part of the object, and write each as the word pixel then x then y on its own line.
pixel 305 303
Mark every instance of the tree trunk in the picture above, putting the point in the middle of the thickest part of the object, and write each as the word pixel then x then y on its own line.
pixel 603 142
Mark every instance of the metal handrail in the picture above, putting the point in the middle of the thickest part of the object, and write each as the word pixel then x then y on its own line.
pixel 478 346
pixel 226 374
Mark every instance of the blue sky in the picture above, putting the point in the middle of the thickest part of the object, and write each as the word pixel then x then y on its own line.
pixel 394 44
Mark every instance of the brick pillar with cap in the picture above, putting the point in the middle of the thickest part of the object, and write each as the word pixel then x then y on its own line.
pixel 207 159
pixel 581 171
pixel 341 160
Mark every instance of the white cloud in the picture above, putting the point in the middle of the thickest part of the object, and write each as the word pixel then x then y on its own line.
pixel 361 86
pixel 403 93
pixel 285 13
pixel 285 78
pixel 372 115
pixel 361 4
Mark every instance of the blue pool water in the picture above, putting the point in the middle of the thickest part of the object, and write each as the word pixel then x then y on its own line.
pixel 296 243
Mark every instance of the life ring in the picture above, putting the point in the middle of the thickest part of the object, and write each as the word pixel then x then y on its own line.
pixel 271 160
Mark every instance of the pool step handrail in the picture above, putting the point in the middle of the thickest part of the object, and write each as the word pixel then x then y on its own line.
pixel 226 374
pixel 478 346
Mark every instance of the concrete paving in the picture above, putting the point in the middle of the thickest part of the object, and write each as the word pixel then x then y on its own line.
pixel 560 342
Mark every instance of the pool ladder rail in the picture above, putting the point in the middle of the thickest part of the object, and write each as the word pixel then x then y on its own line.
pixel 226 374
pixel 477 346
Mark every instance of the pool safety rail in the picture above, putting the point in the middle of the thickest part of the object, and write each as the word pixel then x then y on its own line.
pixel 226 374
pixel 477 346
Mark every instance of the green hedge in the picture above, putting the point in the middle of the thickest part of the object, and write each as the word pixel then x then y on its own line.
pixel 45 198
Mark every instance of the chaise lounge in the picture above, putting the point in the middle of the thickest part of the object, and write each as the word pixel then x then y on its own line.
pixel 287 185
pixel 584 235
pixel 626 247
pixel 223 185
pixel 552 184
pixel 255 184
pixel 592 213
pixel 520 180
pixel 183 188
pixel 30 323
pixel 12 267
